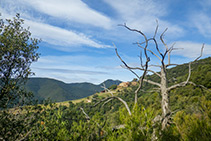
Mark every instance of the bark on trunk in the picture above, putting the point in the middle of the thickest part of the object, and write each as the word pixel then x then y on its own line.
pixel 165 98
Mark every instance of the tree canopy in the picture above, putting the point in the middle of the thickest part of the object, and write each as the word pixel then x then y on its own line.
pixel 17 51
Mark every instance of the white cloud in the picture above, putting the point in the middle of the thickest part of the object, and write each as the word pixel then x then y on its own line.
pixel 70 69
pixel 62 37
pixel 202 22
pixel 130 8
pixel 71 10
pixel 142 15
pixel 49 33
pixel 191 49
pixel 73 69
pixel 200 18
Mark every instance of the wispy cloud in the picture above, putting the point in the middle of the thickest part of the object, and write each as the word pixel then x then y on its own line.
pixel 71 10
pixel 59 70
pixel 202 21
pixel 130 8
pixel 143 14
pixel 64 10
pixel 53 35
pixel 200 18
pixel 191 49
pixel 80 68
pixel 62 37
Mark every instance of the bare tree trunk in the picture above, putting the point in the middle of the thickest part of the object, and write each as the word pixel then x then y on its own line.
pixel 163 85
pixel 165 98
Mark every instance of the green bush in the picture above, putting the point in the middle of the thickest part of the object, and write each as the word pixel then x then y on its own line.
pixel 113 87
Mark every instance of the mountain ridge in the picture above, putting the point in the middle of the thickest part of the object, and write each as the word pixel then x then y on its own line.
pixel 59 91
pixel 56 90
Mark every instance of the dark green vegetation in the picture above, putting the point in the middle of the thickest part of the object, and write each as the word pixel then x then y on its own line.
pixel 44 88
pixel 190 105
pixel 17 52
pixel 191 119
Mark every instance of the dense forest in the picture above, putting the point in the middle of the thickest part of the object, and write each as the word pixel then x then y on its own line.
pixel 57 91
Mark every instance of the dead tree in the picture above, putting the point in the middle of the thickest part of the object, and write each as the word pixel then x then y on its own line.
pixel 163 86
pixel 141 78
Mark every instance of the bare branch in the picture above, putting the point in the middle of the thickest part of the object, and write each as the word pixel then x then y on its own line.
pixel 126 106
pixel 189 74
pixel 140 57
pixel 172 48
pixel 171 65
pixel 156 30
pixel 156 44
pixel 27 134
pixel 141 79
pixel 106 89
pixel 106 102
pixel 139 88
pixel 126 64
pixel 138 32
pixel 152 82
pixel 112 97
pixel 143 69
pixel 202 48
pixel 154 72
pixel 201 86
pixel 133 68
pixel 182 84
pixel 145 37
pixel 155 66
pixel 105 99
pixel 87 117
pixel 150 51
pixel 161 38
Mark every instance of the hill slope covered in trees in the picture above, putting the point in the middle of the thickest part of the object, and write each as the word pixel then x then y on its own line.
pixel 190 106
pixel 44 88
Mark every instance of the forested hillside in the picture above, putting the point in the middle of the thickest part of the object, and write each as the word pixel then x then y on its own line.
pixel 57 91
pixel 190 106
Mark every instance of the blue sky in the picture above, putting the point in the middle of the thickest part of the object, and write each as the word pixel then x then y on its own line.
pixel 77 35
